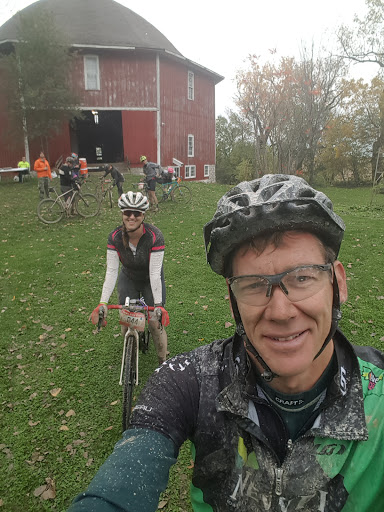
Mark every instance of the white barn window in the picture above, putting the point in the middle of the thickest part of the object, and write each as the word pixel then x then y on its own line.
pixel 191 85
pixel 190 171
pixel 206 171
pixel 191 145
pixel 91 73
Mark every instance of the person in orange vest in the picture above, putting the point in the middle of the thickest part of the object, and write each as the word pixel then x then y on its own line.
pixel 43 170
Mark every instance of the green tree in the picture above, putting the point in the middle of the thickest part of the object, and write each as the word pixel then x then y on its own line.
pixel 37 74
pixel 364 43
pixel 233 145
pixel 286 106
pixel 347 139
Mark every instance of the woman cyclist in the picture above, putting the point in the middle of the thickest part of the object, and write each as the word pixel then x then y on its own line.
pixel 139 247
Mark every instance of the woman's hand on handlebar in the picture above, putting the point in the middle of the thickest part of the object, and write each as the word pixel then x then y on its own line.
pixel 162 315
pixel 99 315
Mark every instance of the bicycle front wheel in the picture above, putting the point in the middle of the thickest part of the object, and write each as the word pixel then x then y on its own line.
pixel 50 211
pixel 181 194
pixel 87 205
pixel 129 379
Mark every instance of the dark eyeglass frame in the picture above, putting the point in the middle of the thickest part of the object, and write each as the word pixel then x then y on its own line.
pixel 135 213
pixel 276 279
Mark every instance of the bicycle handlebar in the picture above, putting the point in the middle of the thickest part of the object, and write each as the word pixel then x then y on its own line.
pixel 131 307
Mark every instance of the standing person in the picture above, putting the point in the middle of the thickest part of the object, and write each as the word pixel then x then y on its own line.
pixel 75 166
pixel 139 247
pixel 151 171
pixel 285 414
pixel 116 176
pixel 66 179
pixel 43 170
pixel 23 164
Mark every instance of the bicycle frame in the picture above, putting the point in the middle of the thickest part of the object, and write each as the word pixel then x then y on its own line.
pixel 66 204
pixel 169 187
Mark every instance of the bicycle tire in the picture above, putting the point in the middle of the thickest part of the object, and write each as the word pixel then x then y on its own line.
pixel 129 378
pixel 160 194
pixel 87 205
pixel 50 211
pixel 181 194
pixel 110 198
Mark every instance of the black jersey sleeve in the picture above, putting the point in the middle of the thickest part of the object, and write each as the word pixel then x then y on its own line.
pixel 170 400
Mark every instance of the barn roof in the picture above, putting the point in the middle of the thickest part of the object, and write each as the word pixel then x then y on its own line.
pixel 95 23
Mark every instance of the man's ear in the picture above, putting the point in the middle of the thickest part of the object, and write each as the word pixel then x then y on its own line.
pixel 341 280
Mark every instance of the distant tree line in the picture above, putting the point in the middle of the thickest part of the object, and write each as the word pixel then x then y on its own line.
pixel 304 116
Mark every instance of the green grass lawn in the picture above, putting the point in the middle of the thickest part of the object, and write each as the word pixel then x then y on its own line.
pixel 61 400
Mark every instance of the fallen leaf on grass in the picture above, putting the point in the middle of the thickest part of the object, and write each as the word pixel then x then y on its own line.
pixel 70 413
pixel 33 423
pixel 55 391
pixel 47 327
pixel 108 428
pixel 47 491
pixel 115 402
pixel 227 324
pixel 63 427
pixel 162 504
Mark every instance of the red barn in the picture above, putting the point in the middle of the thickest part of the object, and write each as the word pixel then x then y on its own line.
pixel 138 94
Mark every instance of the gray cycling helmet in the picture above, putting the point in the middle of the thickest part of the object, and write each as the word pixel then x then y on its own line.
pixel 275 202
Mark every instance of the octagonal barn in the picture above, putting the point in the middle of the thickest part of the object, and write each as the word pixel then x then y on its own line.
pixel 138 93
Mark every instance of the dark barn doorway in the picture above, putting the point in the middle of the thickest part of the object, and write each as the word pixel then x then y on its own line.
pixel 98 136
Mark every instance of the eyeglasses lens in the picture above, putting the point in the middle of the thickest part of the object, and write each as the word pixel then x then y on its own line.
pixel 298 284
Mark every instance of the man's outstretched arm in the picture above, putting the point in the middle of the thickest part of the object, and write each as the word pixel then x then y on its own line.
pixel 133 477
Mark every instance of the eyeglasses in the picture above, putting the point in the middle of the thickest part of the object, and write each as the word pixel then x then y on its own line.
pixel 128 213
pixel 298 284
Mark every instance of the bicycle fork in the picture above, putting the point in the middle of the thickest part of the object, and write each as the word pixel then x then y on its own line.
pixel 135 334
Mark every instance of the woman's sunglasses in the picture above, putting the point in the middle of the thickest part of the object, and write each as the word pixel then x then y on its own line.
pixel 128 213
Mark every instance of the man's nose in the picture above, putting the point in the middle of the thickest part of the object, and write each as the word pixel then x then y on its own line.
pixel 279 307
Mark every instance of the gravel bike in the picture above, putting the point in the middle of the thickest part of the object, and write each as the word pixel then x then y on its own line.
pixel 52 210
pixel 104 190
pixel 134 315
pixel 178 192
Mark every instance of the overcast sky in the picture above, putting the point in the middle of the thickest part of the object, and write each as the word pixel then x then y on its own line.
pixel 220 34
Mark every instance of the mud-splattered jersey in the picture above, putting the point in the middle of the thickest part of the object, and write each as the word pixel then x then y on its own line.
pixel 244 460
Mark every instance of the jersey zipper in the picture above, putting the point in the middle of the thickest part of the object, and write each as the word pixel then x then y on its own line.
pixel 279 472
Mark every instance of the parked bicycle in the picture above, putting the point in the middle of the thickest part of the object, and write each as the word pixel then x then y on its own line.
pixel 134 315
pixel 179 193
pixel 53 210
pixel 175 190
pixel 104 190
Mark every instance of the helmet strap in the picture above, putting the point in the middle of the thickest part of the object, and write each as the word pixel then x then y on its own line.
pixel 336 314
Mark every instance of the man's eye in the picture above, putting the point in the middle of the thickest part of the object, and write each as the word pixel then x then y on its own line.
pixel 255 286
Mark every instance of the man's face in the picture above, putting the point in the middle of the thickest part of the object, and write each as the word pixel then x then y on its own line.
pixel 288 335
pixel 42 155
